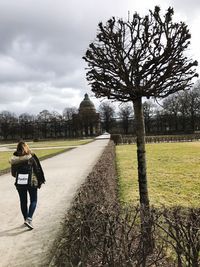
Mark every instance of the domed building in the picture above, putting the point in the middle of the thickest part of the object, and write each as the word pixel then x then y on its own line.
pixel 87 121
pixel 86 105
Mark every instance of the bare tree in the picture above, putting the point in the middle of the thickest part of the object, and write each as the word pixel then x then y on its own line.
pixel 56 116
pixel 171 108
pixel 183 110
pixel 43 120
pixel 44 115
pixel 26 117
pixel 143 57
pixel 69 112
pixel 193 97
pixel 55 124
pixel 125 113
pixel 149 112
pixel 106 110
pixel 26 124
pixel 8 121
pixel 189 108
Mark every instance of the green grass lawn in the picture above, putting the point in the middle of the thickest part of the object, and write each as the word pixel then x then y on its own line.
pixel 173 171
pixel 5 156
pixel 55 143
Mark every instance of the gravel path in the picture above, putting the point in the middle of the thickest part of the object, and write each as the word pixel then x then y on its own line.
pixel 20 247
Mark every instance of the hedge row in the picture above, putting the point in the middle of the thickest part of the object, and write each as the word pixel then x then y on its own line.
pixel 97 194
pixel 99 232
pixel 125 139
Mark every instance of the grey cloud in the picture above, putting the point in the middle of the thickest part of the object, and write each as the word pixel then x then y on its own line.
pixel 34 101
pixel 185 10
pixel 190 8
pixel 42 44
pixel 8 94
pixel 55 99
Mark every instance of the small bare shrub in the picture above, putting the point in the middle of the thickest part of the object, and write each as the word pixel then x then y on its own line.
pixel 181 231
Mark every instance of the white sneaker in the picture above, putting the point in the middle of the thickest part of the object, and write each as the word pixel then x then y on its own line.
pixel 29 224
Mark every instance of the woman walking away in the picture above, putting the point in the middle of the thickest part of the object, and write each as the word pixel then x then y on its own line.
pixel 27 170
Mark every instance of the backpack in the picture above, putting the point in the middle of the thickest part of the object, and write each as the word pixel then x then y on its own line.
pixel 24 175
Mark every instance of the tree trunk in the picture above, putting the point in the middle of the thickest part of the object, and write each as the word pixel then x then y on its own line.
pixel 146 229
pixel 141 153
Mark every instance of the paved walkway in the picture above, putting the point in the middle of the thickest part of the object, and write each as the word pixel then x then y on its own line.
pixel 64 173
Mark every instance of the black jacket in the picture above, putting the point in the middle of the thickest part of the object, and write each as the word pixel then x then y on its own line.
pixel 18 162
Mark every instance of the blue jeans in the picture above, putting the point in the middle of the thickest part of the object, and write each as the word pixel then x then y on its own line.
pixel 23 195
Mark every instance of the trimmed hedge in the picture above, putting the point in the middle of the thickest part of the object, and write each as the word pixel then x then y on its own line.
pixel 126 139
pixel 98 232
pixel 97 194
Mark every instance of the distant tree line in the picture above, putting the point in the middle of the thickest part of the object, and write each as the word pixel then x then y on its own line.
pixel 177 114
pixel 44 125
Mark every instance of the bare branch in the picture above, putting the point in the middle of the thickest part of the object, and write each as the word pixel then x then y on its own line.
pixel 142 57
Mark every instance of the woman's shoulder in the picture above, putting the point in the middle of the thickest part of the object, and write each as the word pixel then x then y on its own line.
pixel 34 155
pixel 16 159
pixel 35 158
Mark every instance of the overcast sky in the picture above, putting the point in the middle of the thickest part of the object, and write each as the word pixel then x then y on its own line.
pixel 43 41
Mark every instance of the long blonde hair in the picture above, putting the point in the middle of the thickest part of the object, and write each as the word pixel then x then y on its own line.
pixel 23 149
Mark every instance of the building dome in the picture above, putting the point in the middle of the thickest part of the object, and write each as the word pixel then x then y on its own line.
pixel 86 105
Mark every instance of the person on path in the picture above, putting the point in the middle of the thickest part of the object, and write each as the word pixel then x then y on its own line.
pixel 29 176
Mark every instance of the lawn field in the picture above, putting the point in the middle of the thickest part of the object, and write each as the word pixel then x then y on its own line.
pixel 55 143
pixel 51 148
pixel 173 171
pixel 5 156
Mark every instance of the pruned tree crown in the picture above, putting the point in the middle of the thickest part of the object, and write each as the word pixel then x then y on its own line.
pixel 141 57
